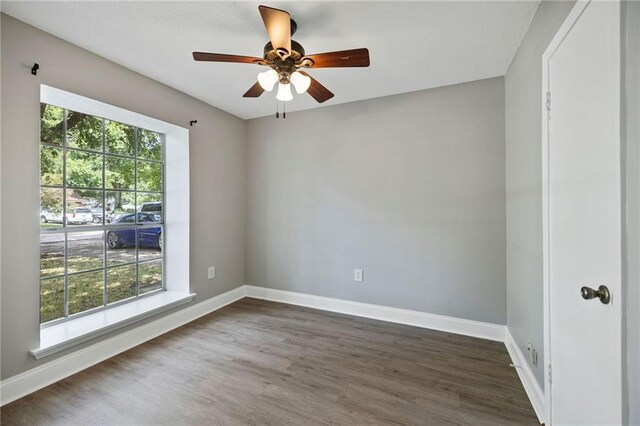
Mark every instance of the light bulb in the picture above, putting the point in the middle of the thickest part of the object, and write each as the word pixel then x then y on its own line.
pixel 284 92
pixel 268 79
pixel 300 81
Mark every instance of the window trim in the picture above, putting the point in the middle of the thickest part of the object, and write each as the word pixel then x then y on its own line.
pixel 176 186
pixel 178 135
pixel 67 334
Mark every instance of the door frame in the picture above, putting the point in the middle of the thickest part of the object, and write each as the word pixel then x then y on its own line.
pixel 563 31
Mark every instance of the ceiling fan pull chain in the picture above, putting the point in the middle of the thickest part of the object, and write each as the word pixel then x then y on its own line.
pixel 284 110
pixel 277 109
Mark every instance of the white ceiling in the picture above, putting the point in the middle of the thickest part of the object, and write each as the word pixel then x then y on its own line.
pixel 413 45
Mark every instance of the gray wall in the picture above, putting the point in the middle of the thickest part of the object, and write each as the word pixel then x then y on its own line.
pixel 632 105
pixel 523 86
pixel 403 187
pixel 409 187
pixel 217 167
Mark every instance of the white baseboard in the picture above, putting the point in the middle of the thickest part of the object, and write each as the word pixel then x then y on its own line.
pixel 30 381
pixel 529 382
pixel 465 327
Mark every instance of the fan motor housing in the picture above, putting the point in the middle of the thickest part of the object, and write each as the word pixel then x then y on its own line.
pixel 271 55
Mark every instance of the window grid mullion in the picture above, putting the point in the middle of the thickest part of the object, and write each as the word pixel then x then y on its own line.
pixel 163 204
pixel 104 216
pixel 66 277
pixel 135 197
pixel 64 211
pixel 94 228
pixel 118 265
pixel 110 154
pixel 99 189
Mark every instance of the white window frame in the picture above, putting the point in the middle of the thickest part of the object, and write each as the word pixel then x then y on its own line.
pixel 176 182
pixel 64 230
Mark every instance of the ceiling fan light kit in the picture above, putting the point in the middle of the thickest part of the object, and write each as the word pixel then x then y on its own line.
pixel 300 82
pixel 286 58
pixel 284 92
pixel 268 79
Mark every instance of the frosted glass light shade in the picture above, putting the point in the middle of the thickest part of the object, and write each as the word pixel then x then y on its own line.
pixel 300 82
pixel 284 92
pixel 268 79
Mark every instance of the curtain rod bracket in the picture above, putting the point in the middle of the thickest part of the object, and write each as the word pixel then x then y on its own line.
pixel 35 68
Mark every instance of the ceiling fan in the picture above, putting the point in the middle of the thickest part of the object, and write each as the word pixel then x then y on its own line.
pixel 286 58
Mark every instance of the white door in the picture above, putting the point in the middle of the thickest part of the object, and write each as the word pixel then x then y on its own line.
pixel 582 67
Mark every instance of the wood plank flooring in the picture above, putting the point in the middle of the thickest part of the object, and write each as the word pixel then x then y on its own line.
pixel 262 363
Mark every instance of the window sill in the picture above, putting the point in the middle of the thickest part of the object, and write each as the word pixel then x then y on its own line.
pixel 59 337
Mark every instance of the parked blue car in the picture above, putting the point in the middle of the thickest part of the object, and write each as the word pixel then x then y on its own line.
pixel 148 237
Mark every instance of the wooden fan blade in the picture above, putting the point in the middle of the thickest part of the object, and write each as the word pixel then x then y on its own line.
pixel 342 58
pixel 255 91
pixel 317 90
pixel 278 24
pixel 221 57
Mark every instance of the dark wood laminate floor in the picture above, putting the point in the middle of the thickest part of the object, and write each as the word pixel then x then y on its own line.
pixel 258 362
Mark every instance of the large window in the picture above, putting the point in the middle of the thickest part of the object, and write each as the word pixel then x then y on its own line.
pixel 101 198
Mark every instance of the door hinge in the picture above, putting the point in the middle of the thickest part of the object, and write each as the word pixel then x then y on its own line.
pixel 549 105
pixel 549 373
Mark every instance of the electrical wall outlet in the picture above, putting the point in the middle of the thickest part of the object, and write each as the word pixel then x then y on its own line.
pixel 211 272
pixel 358 275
